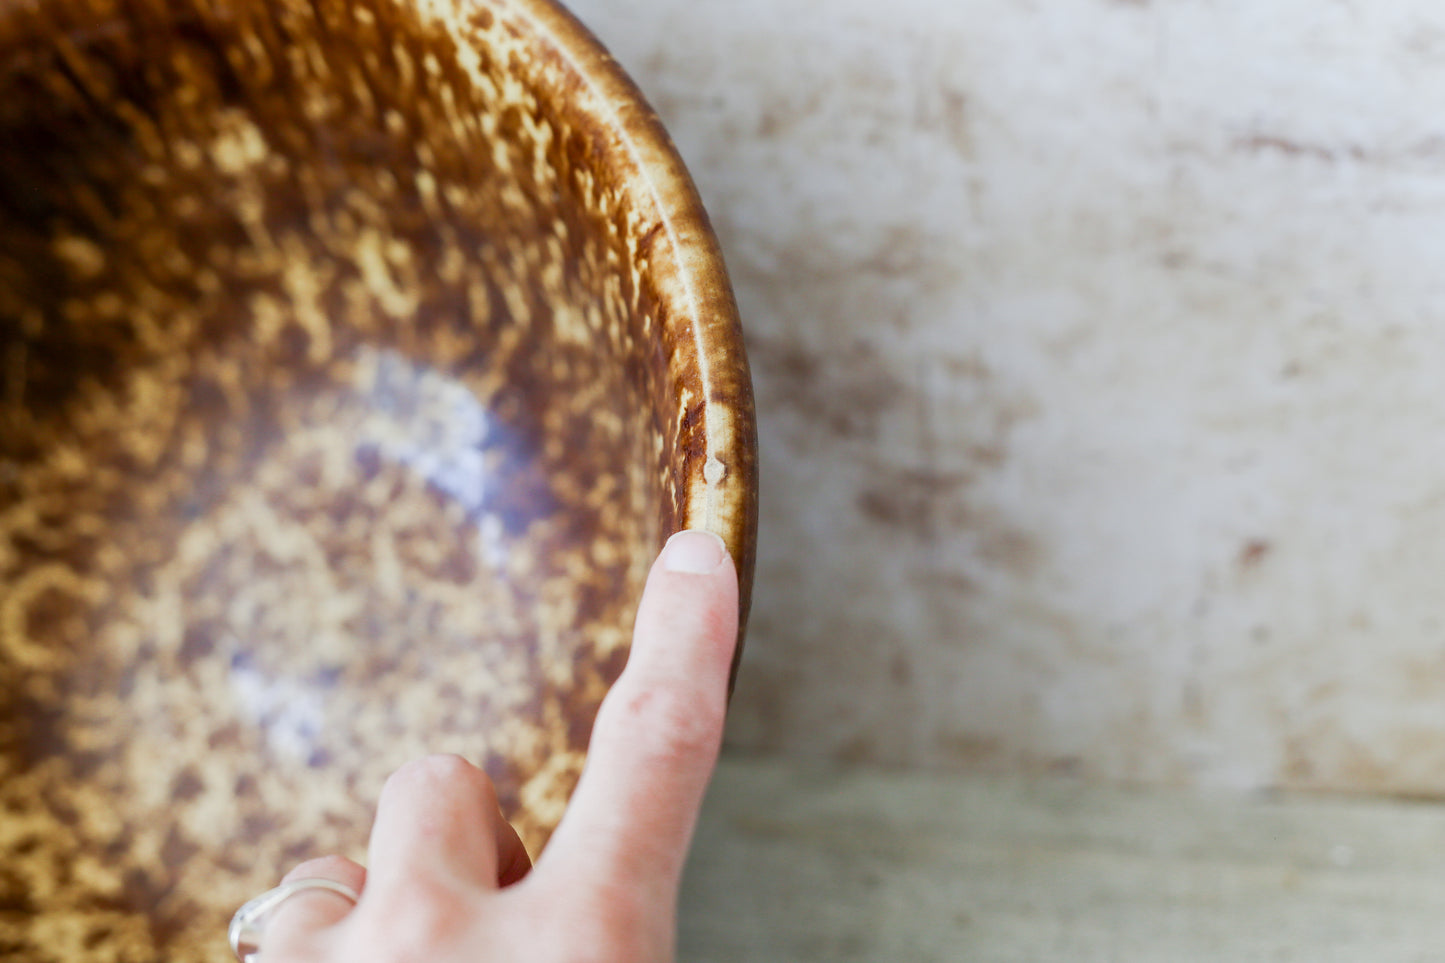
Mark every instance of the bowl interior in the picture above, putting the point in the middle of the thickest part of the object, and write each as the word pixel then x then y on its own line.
pixel 336 427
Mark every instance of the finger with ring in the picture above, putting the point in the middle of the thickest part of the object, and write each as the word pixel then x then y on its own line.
pixel 248 926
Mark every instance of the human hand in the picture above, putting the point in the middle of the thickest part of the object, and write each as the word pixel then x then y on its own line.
pixel 448 880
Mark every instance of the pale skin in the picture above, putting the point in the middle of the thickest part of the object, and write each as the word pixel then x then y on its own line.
pixel 447 879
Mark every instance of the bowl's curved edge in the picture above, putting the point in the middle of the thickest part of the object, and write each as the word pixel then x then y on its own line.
pixel 716 408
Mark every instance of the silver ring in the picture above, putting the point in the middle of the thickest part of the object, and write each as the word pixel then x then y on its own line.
pixel 249 923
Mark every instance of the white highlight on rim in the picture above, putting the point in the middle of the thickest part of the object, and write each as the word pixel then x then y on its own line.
pixel 712 493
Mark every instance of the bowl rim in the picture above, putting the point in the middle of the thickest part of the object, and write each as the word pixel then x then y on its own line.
pixel 721 474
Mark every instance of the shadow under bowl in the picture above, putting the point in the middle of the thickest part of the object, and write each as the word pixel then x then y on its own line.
pixel 356 357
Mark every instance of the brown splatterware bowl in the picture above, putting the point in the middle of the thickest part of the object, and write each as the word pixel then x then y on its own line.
pixel 356 357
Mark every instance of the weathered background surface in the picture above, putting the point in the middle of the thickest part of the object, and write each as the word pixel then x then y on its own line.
pixel 1100 355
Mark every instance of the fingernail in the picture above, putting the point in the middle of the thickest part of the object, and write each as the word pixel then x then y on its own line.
pixel 694 552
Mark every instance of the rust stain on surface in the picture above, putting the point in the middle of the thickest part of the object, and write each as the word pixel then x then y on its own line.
pixel 1254 552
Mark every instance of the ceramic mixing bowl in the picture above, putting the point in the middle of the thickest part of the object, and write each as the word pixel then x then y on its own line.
pixel 356 357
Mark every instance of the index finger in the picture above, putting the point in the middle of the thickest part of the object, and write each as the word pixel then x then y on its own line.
pixel 657 735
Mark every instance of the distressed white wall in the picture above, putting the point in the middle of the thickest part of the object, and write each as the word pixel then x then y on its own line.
pixel 1100 356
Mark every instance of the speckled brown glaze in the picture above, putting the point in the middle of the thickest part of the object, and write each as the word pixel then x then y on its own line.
pixel 355 359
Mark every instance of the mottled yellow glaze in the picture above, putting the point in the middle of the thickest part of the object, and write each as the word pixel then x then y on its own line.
pixel 355 358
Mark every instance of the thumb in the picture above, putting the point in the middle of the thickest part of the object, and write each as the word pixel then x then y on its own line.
pixel 657 735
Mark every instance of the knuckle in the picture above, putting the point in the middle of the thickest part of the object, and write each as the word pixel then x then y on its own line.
pixel 669 724
pixel 440 772
pixel 436 767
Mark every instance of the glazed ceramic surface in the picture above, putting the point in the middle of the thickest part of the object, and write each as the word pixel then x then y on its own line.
pixel 355 359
